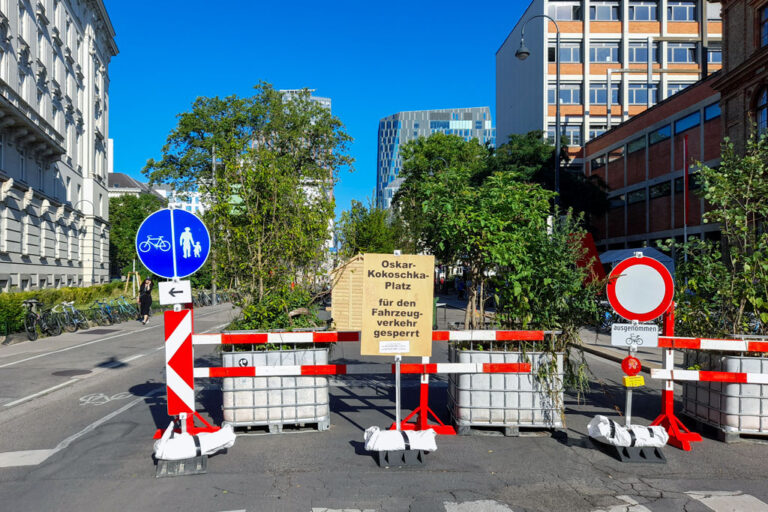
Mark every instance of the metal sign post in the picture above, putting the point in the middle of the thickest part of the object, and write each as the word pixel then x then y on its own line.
pixel 398 359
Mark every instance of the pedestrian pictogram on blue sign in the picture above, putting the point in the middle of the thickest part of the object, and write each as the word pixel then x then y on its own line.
pixel 173 243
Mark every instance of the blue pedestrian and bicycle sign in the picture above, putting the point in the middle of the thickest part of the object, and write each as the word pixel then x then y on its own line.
pixel 173 243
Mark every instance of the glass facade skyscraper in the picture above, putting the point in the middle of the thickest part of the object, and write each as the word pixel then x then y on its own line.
pixel 397 129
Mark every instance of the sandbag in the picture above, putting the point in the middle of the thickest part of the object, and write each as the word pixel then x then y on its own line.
pixel 175 446
pixel 377 440
pixel 608 431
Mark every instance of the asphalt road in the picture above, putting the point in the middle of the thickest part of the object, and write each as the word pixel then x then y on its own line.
pixel 78 412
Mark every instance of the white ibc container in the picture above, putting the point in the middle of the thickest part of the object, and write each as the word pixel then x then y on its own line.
pixel 731 407
pixel 506 399
pixel 250 401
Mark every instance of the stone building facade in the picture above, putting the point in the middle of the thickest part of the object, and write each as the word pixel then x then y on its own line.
pixel 54 121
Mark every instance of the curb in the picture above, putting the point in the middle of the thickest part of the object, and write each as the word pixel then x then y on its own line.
pixel 612 355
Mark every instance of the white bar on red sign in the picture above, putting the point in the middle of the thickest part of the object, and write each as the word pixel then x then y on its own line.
pixel 290 337
pixel 202 373
pixel 206 339
pixel 278 371
pixel 459 367
pixel 757 378
pixel 733 345
pixel 472 335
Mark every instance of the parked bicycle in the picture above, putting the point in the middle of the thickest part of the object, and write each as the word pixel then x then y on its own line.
pixel 70 317
pixel 103 313
pixel 44 321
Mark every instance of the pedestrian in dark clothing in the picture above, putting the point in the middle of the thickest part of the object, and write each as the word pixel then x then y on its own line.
pixel 145 299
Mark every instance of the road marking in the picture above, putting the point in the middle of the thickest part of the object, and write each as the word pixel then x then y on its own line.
pixel 631 506
pixel 722 501
pixel 101 398
pixel 35 457
pixel 40 393
pixel 476 506
pixel 31 358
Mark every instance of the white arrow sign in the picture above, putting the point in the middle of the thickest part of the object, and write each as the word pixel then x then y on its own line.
pixel 175 292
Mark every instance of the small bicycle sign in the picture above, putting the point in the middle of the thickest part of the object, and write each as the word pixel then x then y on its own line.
pixel 155 241
pixel 635 339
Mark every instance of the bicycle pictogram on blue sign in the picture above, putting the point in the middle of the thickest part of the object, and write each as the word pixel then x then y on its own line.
pixel 173 243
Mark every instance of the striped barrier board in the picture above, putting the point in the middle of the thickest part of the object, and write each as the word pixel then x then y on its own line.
pixel 712 344
pixel 709 376
pixel 251 338
pixel 359 369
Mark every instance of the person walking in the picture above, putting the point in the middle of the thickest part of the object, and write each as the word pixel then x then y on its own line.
pixel 145 299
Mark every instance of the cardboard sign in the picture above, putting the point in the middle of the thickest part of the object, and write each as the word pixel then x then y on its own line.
pixel 397 305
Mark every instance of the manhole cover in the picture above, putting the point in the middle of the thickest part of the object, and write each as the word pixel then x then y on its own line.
pixel 101 331
pixel 70 373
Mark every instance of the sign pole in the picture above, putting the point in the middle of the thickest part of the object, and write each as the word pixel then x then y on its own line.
pixel 398 358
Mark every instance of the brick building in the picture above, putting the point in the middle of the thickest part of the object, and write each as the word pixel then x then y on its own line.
pixel 743 85
pixel 642 161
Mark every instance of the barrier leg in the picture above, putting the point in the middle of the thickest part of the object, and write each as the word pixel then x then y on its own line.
pixel 679 435
pixel 424 412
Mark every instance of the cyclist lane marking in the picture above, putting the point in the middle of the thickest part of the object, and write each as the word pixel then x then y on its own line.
pixel 91 343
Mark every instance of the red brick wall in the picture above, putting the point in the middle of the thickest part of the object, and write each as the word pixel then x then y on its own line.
pixel 636 167
pixel 659 158
pixel 694 147
pixel 659 213
pixel 636 218
pixel 615 223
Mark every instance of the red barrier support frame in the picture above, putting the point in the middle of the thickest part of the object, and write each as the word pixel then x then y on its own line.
pixel 679 435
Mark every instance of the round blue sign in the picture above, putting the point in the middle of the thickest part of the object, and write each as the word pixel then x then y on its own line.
pixel 173 243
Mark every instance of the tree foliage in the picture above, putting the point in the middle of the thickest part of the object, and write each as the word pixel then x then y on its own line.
pixel 368 229
pixel 723 287
pixel 126 213
pixel 270 203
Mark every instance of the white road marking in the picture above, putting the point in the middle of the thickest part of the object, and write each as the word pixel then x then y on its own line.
pixel 23 458
pixel 41 393
pixel 631 506
pixel 101 398
pixel 35 457
pixel 476 506
pixel 31 358
pixel 724 501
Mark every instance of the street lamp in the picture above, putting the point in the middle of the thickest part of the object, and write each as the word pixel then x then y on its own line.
pixel 522 53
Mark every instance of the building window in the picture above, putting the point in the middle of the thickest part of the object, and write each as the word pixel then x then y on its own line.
pixel 643 10
pixel 604 52
pixel 570 94
pixel 762 111
pixel 711 111
pixel 764 26
pixel 565 11
pixel 674 88
pixel 715 54
pixel 681 11
pixel 687 122
pixel 604 11
pixel 22 167
pixel 569 52
pixel 636 145
pixel 638 94
pixel 638 52
pixel 661 190
pixel 596 130
pixel 598 93
pixel 571 134
pixel 636 196
pixel 681 52
pixel 659 135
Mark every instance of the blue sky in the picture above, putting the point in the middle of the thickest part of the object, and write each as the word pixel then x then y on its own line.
pixel 372 59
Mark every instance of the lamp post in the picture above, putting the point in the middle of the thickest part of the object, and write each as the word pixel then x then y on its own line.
pixel 522 53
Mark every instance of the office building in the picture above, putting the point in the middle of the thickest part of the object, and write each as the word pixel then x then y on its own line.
pixel 397 129
pixel 603 44
pixel 54 122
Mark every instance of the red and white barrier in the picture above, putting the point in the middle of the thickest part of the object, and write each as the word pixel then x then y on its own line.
pixel 181 372
pixel 679 435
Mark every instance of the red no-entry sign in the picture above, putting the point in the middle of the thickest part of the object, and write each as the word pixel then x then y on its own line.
pixel 640 288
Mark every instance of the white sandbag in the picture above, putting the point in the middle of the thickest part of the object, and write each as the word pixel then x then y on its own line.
pixel 608 431
pixel 377 440
pixel 175 446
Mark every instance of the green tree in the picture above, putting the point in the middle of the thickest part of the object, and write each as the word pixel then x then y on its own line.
pixel 269 203
pixel 368 229
pixel 126 213
pixel 723 286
